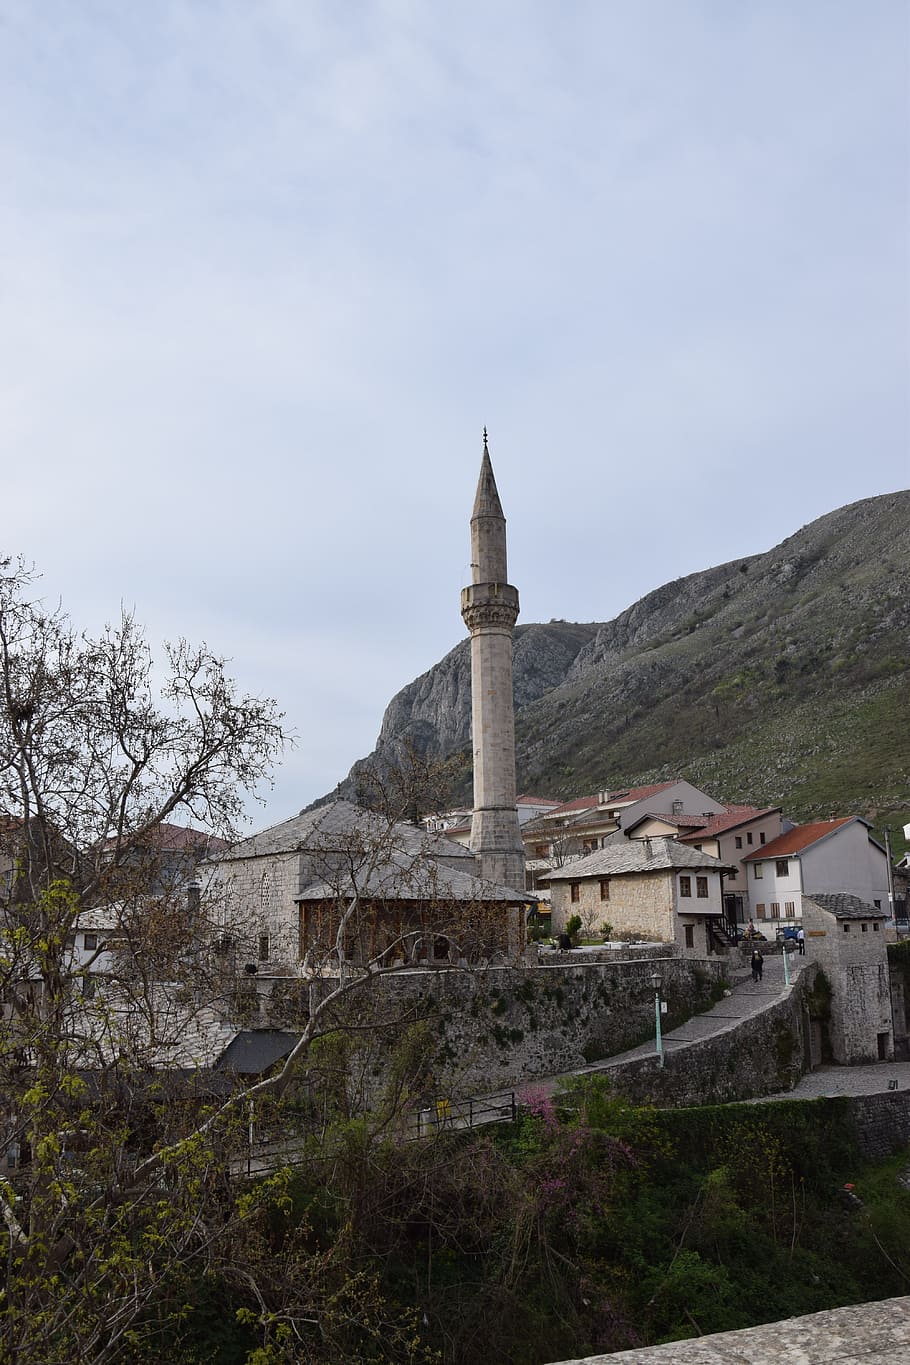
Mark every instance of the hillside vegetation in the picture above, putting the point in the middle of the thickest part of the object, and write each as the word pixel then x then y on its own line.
pixel 779 678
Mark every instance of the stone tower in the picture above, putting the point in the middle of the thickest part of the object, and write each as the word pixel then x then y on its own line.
pixel 490 608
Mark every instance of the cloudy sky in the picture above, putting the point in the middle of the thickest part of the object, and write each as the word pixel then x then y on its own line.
pixel 268 266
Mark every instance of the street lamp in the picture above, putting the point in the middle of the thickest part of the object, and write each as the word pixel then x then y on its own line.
pixel 658 1039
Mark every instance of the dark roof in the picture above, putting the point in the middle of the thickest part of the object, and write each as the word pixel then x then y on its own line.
pixel 254 1051
pixel 404 876
pixel 690 822
pixel 798 838
pixel 657 854
pixel 843 906
pixel 337 826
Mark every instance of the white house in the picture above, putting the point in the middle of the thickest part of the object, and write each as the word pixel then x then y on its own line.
pixel 833 856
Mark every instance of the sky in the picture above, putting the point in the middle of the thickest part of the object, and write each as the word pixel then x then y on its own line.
pixel 268 267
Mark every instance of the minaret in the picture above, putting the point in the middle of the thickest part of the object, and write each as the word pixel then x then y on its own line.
pixel 490 608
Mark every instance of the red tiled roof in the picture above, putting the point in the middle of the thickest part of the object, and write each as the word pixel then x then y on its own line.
pixel 626 796
pixel 795 840
pixel 732 819
pixel 536 801
pixel 177 838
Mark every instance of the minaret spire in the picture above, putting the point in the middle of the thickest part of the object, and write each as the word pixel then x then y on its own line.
pixel 490 608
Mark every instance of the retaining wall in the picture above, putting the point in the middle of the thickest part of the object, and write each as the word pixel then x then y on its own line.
pixel 500 1026
pixel 759 1055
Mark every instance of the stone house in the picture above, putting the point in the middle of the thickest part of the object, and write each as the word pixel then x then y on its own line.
pixel 578 827
pixel 845 937
pixel 656 889
pixel 581 825
pixel 280 894
pixel 827 855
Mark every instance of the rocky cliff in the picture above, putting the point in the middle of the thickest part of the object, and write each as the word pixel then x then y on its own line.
pixel 781 677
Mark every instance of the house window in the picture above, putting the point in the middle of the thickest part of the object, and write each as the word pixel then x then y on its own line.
pixel 604 888
pixel 701 888
pixel 738 840
pixel 678 807
pixel 540 850
pixel 589 846
pixel 875 926
pixel 90 942
pixel 790 909
pixel 760 911
pixel 732 875
pixel 685 886
pixel 761 838
pixel 877 904
pixel 88 987
pixel 775 909
pixel 690 935
pixel 782 867
pixel 748 836
pixel 573 891
pixel 846 928
pixel 263 947
pixel 698 848
pixel 759 871
pixel 864 927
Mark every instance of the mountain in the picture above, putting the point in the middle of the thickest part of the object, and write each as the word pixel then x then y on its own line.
pixel 781 678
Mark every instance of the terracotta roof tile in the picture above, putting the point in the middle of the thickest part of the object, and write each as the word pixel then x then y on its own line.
pixel 795 840
pixel 733 817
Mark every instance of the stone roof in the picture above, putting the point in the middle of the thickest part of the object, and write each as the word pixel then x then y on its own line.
pixel 332 825
pixel 658 854
pixel 843 906
pixel 254 1051
pixel 400 876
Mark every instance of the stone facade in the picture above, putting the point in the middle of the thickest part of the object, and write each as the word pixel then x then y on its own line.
pixel 847 940
pixel 871 1333
pixel 500 1027
pixel 656 889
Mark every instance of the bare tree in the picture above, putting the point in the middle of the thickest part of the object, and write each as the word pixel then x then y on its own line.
pixel 97 752
pixel 127 1147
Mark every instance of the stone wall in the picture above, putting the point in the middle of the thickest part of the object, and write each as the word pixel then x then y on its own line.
pixel 502 1026
pixel 760 1055
pixel 638 904
pixel 853 955
pixel 882 1122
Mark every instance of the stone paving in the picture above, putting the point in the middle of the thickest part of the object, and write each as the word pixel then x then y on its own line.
pixel 745 1000
pixel 863 1334
pixel 828 1081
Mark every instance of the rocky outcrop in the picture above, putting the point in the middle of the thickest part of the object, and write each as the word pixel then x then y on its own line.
pixel 780 676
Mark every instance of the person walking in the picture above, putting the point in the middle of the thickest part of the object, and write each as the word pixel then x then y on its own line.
pixel 758 963
pixel 801 941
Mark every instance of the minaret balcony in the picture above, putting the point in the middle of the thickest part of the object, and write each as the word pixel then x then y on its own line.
pixel 489 604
